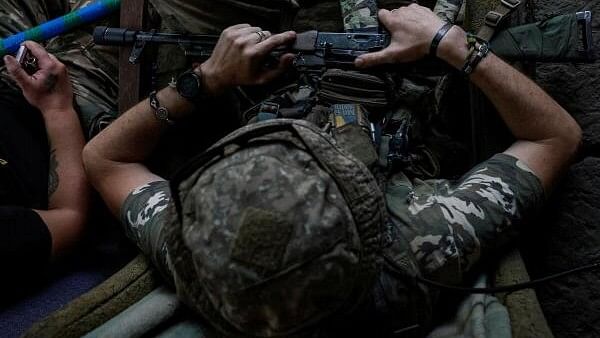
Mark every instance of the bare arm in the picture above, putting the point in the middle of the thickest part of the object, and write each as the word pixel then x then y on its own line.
pixel 113 159
pixel 50 91
pixel 547 136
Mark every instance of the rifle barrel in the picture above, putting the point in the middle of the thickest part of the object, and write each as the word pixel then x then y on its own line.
pixel 123 36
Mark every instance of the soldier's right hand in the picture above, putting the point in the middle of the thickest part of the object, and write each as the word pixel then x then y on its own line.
pixel 413 29
pixel 239 58
pixel 49 89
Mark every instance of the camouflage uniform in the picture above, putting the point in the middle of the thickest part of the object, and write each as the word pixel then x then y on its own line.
pixel 93 69
pixel 360 15
pixel 437 228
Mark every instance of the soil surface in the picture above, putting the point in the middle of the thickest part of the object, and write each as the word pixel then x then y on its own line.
pixel 568 234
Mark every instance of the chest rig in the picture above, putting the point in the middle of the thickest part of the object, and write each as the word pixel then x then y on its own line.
pixel 381 104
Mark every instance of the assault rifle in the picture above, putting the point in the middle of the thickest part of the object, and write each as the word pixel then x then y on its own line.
pixel 568 36
pixel 313 49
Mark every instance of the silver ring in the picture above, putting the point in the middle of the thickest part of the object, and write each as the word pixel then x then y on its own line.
pixel 261 36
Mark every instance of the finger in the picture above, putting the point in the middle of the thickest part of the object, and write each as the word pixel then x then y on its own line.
pixel 16 71
pixel 39 52
pixel 254 38
pixel 386 16
pixel 232 32
pixel 285 61
pixel 245 32
pixel 238 27
pixel 374 59
pixel 275 41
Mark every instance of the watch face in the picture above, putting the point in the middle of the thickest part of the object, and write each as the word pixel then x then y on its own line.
pixel 162 114
pixel 188 85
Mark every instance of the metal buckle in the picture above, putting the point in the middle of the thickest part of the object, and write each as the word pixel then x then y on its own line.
pixel 512 4
pixel 269 107
pixel 493 19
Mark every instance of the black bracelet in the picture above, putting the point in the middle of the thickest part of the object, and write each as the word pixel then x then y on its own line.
pixel 441 33
pixel 160 112
pixel 477 54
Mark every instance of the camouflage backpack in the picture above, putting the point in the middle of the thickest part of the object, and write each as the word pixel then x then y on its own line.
pixel 276 228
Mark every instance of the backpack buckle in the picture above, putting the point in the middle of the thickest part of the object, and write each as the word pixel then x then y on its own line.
pixel 512 4
pixel 493 19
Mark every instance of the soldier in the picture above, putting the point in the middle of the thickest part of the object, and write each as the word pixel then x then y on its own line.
pixel 44 192
pixel 278 231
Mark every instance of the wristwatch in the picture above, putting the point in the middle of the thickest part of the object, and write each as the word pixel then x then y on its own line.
pixel 190 86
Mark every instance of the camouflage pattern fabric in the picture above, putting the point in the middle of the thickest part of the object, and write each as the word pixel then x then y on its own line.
pixel 93 69
pixel 448 10
pixel 452 225
pixel 360 15
pixel 143 216
pixel 439 228
pixel 275 227
pixel 211 17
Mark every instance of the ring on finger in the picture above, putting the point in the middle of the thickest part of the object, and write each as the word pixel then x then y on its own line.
pixel 261 36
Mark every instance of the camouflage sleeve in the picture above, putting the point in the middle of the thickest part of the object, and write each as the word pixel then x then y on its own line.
pixel 451 225
pixel 143 215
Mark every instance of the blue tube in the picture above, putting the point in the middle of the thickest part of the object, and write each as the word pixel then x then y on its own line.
pixel 86 15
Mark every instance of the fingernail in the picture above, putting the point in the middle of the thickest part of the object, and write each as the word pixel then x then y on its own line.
pixel 5 58
pixel 359 62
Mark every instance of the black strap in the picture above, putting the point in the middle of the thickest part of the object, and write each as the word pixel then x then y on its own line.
pixel 441 33
pixel 509 288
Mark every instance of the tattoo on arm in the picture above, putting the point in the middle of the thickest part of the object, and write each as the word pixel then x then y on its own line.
pixel 53 178
pixel 50 82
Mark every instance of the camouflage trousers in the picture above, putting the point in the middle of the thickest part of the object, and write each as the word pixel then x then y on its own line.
pixel 93 69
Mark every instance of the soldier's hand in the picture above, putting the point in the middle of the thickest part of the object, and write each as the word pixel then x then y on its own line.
pixel 412 28
pixel 49 89
pixel 240 57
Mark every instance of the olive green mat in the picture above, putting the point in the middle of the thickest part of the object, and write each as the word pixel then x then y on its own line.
pixel 94 308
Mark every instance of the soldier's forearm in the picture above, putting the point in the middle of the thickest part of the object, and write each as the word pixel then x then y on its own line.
pixel 134 135
pixel 547 136
pixel 68 190
pixel 521 103
pixel 113 159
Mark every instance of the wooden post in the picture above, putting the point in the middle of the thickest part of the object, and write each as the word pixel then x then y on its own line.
pixel 133 15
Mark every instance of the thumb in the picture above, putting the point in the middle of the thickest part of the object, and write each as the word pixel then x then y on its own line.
pixel 374 59
pixel 16 71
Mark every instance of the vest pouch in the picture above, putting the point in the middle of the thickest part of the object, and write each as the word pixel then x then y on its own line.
pixel 353 131
pixel 340 86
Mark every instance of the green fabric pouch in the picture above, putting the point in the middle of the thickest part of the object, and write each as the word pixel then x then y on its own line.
pixel 559 39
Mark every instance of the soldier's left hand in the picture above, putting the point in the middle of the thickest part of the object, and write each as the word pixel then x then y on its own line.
pixel 49 89
pixel 412 28
pixel 240 56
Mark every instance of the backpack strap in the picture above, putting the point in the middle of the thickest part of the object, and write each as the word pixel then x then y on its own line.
pixel 495 17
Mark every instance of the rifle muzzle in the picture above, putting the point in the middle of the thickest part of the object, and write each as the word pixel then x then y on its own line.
pixel 114 36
